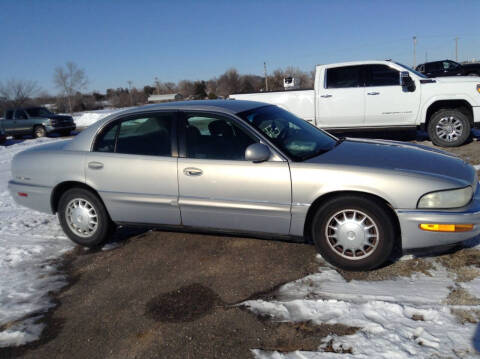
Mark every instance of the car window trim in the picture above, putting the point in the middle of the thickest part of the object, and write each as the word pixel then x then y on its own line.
pixel 237 120
pixel 122 118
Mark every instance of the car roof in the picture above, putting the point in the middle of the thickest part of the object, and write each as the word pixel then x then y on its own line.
pixel 83 141
pixel 227 106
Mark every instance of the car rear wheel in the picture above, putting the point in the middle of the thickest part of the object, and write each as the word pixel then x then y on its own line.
pixel 39 131
pixel 83 217
pixel 449 128
pixel 473 74
pixel 353 233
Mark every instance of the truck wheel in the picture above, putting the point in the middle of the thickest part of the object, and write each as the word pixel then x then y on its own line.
pixel 83 217
pixel 473 74
pixel 449 128
pixel 353 233
pixel 39 131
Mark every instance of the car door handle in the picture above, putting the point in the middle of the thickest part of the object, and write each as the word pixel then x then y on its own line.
pixel 95 165
pixel 373 93
pixel 326 96
pixel 192 171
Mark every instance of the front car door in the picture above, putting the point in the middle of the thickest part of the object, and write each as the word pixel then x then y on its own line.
pixel 387 103
pixel 219 189
pixel 133 166
pixel 340 99
pixel 21 123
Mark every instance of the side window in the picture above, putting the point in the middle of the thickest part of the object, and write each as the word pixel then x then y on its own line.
pixel 215 137
pixel 149 136
pixel 436 66
pixel 9 115
pixel 447 66
pixel 343 77
pixel 20 115
pixel 382 75
pixel 106 140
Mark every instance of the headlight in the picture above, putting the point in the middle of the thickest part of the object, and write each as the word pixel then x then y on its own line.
pixel 446 199
pixel 478 88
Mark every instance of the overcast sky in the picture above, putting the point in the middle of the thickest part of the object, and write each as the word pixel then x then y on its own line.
pixel 117 41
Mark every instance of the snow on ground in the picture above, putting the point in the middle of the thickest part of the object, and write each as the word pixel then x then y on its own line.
pixel 29 244
pixel 405 317
pixel 85 119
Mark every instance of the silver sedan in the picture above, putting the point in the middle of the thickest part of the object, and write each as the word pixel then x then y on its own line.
pixel 251 168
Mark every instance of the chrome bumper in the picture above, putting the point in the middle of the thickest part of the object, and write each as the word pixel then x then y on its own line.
pixel 414 237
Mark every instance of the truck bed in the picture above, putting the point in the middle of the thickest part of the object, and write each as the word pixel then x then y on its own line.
pixel 299 102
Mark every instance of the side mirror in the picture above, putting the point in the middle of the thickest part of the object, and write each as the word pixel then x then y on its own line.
pixel 257 152
pixel 407 81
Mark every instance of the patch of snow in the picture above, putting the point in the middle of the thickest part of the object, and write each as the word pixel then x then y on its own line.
pixel 30 242
pixel 398 318
pixel 477 167
pixel 473 287
pixel 85 119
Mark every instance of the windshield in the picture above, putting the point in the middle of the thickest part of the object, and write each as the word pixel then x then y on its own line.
pixel 38 112
pixel 297 138
pixel 419 74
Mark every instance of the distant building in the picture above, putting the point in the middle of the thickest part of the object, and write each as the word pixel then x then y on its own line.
pixel 165 98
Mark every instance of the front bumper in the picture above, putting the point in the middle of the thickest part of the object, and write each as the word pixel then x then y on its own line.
pixel 414 237
pixel 38 197
pixel 51 129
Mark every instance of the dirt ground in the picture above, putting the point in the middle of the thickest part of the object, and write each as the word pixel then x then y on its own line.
pixel 175 295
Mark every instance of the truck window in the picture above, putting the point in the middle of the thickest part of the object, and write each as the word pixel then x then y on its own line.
pixel 382 75
pixel 20 115
pixel 342 77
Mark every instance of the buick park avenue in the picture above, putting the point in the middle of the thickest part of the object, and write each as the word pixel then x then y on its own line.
pixel 252 168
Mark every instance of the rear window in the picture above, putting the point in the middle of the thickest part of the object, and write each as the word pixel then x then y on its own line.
pixel 344 77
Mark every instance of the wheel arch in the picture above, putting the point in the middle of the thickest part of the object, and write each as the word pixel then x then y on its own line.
pixel 463 105
pixel 379 200
pixel 60 188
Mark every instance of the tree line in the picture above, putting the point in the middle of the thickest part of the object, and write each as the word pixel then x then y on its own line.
pixel 71 81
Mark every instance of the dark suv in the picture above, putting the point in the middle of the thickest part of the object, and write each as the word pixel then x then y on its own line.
pixel 36 121
pixel 448 68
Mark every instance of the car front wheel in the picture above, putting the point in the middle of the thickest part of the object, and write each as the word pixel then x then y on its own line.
pixel 449 128
pixel 353 233
pixel 83 217
pixel 39 131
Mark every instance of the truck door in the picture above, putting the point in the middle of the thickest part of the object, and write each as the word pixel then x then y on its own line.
pixel 8 123
pixel 21 124
pixel 387 103
pixel 340 98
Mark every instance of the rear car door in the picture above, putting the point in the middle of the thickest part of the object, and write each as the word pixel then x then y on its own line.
pixel 219 189
pixel 387 103
pixel 133 166
pixel 340 99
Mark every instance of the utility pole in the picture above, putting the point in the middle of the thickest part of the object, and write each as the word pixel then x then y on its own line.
pixel 265 74
pixel 456 49
pixel 130 91
pixel 157 85
pixel 414 51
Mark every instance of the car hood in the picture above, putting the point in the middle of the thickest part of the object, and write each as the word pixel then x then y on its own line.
pixel 457 79
pixel 399 156
pixel 61 117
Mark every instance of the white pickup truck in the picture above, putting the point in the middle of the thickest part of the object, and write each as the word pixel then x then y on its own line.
pixel 371 95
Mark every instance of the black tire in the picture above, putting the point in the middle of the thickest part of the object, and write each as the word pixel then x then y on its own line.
pixel 376 213
pixel 39 131
pixel 104 226
pixel 473 74
pixel 457 116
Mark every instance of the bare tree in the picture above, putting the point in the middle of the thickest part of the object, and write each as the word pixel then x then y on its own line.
pixel 228 83
pixel 70 80
pixel 18 92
